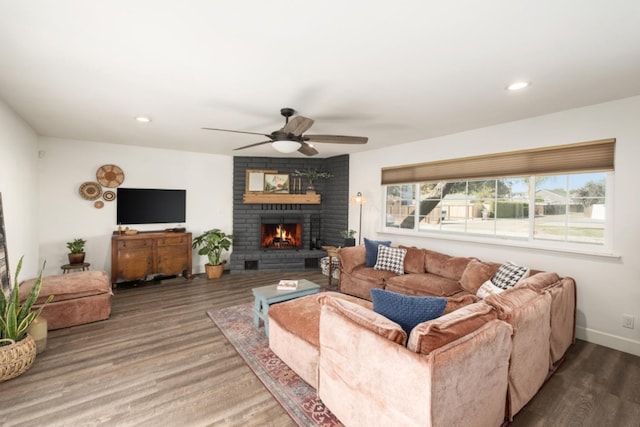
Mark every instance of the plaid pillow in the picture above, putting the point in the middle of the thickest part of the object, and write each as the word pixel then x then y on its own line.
pixel 507 276
pixel 390 259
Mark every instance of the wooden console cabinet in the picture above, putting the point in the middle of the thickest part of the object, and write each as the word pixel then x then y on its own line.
pixel 137 256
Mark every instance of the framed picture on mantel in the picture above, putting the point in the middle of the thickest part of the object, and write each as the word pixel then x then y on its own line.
pixel 255 180
pixel 276 183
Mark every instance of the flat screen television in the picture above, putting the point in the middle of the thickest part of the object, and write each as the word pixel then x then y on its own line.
pixel 150 206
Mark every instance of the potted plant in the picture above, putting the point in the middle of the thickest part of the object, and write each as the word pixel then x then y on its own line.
pixel 17 348
pixel 212 243
pixel 347 235
pixel 76 251
pixel 312 175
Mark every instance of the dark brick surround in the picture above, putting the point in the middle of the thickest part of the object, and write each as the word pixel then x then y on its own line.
pixel 324 221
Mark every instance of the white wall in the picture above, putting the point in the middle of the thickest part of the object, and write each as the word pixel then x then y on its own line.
pixel 607 286
pixel 19 188
pixel 64 215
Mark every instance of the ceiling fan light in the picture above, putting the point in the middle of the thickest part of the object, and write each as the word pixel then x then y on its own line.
pixel 286 146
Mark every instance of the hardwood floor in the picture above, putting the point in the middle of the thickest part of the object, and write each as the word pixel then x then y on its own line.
pixel 160 361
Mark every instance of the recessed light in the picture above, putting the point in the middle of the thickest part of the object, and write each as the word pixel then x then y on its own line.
pixel 518 85
pixel 143 119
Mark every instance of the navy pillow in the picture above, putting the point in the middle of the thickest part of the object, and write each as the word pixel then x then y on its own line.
pixel 406 311
pixel 371 247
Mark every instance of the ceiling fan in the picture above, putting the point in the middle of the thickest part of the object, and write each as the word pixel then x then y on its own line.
pixel 290 137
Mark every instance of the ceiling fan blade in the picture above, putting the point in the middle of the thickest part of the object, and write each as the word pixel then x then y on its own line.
pixel 237 131
pixel 253 145
pixel 337 139
pixel 298 125
pixel 307 150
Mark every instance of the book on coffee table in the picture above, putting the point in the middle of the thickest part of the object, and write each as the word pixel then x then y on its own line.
pixel 287 285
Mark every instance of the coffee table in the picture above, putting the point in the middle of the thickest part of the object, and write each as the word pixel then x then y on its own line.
pixel 270 294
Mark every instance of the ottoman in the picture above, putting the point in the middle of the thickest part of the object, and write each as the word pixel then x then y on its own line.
pixel 294 333
pixel 79 298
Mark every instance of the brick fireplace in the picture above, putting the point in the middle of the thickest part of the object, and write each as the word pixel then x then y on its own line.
pixel 288 236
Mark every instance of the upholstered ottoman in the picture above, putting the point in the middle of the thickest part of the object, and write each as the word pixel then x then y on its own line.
pixel 294 333
pixel 79 298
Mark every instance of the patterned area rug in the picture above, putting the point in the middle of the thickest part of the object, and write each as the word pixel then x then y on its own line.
pixel 297 397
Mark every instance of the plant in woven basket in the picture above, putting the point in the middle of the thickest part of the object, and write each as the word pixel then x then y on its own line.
pixel 15 318
pixel 17 348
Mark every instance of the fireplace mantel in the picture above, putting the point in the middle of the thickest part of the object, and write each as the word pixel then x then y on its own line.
pixel 300 199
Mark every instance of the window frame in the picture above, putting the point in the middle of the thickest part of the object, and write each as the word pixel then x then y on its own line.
pixel 605 249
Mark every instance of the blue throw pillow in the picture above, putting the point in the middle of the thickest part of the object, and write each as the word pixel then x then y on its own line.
pixel 371 248
pixel 406 311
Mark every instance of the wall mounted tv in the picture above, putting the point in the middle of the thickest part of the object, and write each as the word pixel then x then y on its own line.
pixel 150 206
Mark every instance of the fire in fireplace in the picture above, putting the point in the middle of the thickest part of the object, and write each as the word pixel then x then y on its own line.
pixel 281 233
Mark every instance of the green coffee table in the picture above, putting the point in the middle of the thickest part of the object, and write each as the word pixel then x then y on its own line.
pixel 267 295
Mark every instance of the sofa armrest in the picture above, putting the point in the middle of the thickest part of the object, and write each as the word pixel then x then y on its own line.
pixel 351 257
pixel 563 316
pixel 363 377
pixel 529 313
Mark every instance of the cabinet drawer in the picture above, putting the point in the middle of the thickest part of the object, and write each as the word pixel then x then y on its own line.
pixel 171 241
pixel 134 243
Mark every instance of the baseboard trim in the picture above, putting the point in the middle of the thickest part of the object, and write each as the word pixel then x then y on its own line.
pixel 608 340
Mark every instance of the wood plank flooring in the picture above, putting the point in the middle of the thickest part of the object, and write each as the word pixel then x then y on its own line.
pixel 160 361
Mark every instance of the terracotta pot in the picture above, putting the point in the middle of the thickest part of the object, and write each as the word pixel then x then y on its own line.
pixel 76 258
pixel 214 271
pixel 16 358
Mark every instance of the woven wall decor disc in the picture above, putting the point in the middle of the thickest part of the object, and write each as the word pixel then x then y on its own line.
pixel 90 190
pixel 110 176
pixel 109 196
pixel 98 204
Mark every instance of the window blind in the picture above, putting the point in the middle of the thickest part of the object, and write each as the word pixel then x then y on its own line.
pixel 591 156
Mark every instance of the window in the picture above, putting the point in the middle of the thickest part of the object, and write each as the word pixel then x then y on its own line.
pixel 567 207
pixel 555 195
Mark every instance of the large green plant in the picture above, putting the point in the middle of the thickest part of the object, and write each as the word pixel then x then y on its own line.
pixel 15 318
pixel 212 243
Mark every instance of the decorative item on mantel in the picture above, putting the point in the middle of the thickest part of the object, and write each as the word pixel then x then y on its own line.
pixel 312 175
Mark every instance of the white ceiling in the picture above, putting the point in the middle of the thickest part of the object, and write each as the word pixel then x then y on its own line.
pixel 393 71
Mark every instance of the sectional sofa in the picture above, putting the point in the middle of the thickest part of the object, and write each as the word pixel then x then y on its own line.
pixel 477 364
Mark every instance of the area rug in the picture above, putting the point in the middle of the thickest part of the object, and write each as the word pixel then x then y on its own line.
pixel 298 399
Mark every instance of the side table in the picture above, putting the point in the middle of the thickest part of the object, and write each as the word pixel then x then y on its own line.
pixel 270 294
pixel 332 252
pixel 80 266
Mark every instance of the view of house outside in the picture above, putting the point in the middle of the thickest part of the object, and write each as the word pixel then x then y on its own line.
pixel 567 207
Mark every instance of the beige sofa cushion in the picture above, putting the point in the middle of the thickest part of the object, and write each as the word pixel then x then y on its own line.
pixel 366 318
pixel 301 316
pixel 476 273
pixel 428 336
pixel 458 301
pixel 420 284
pixel 539 281
pixel 413 260
pixel 445 265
